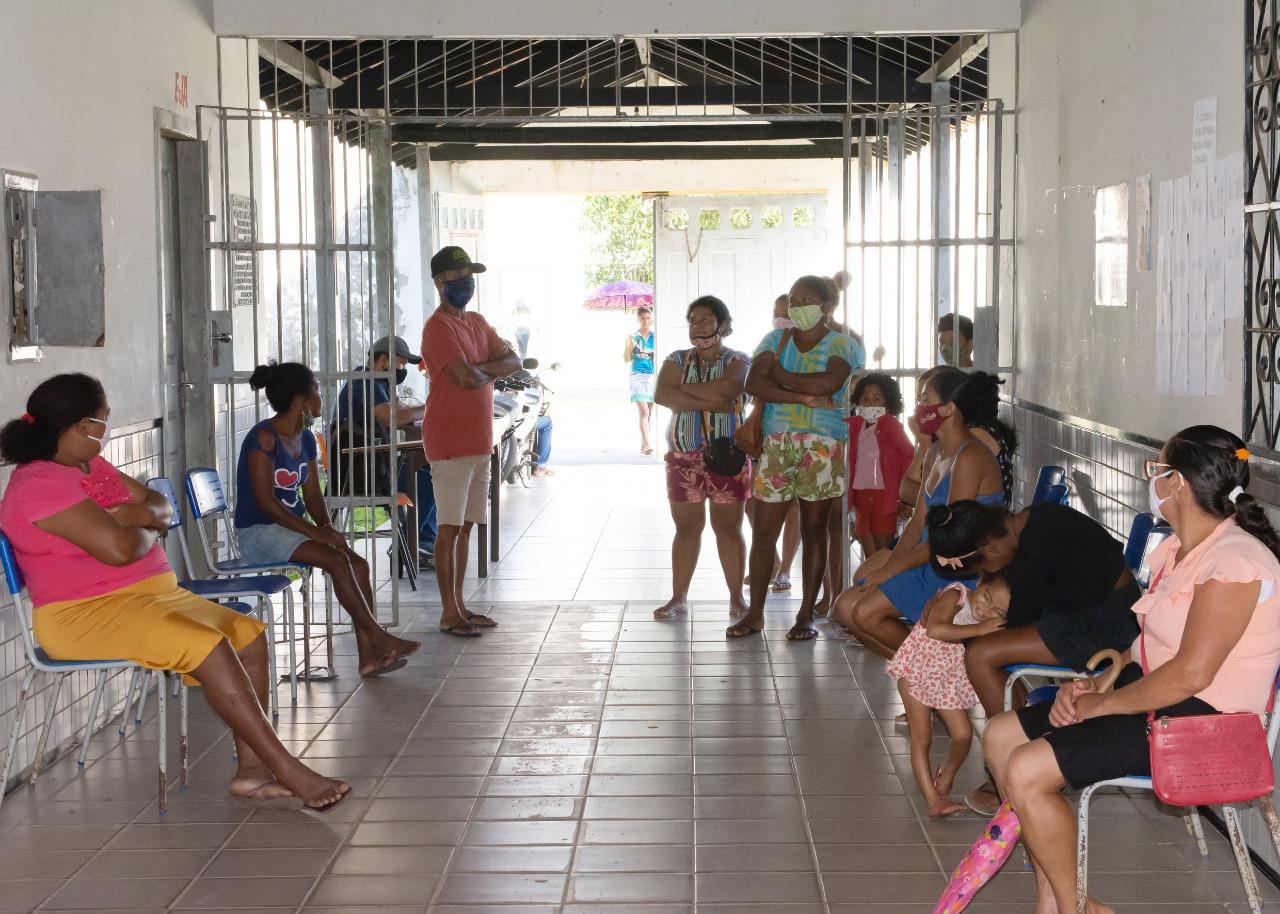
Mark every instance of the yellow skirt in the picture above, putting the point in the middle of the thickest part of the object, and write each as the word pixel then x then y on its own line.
pixel 154 623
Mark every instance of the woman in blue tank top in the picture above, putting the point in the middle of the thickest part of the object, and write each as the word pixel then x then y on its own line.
pixel 896 584
pixel 281 515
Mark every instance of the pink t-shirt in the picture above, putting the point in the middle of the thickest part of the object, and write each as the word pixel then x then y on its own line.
pixel 56 569
pixel 866 469
pixel 1231 556
pixel 457 422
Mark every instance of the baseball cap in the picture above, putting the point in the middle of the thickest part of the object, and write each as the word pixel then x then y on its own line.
pixel 389 344
pixel 452 257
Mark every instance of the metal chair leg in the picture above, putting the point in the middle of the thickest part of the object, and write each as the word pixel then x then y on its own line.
pixel 291 635
pixel 162 697
pixel 1243 863
pixel 1191 817
pixel 184 750
pixel 134 679
pixel 42 743
pixel 16 728
pixel 1273 821
pixel 1082 851
pixel 328 627
pixel 142 697
pixel 98 689
pixel 268 612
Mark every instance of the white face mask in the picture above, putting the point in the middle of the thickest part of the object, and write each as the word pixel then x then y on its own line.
pixel 106 434
pixel 1155 500
pixel 870 414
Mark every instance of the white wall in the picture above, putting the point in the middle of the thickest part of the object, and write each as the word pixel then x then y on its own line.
pixel 269 18
pixel 1105 94
pixel 81 85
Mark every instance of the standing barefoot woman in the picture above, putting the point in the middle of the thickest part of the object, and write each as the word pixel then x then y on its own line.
pixel 702 387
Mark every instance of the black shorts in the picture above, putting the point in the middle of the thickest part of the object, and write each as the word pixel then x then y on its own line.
pixel 1102 748
pixel 1074 637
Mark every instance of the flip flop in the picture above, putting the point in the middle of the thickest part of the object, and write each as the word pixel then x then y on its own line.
pixel 950 813
pixel 742 630
pixel 461 630
pixel 481 621
pixel 802 632
pixel 779 588
pixel 253 801
pixel 391 667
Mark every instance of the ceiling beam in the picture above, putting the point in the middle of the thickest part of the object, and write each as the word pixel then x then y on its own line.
pixel 605 134
pixel 461 152
pixel 954 59
pixel 298 65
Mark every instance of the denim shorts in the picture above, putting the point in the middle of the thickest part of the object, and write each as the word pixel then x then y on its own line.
pixel 268 544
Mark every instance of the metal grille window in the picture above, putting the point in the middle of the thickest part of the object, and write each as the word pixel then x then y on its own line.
pixel 1262 246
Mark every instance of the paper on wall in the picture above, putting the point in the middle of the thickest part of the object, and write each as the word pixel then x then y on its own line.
pixel 1164 244
pixel 1178 318
pixel 1142 210
pixel 1204 134
pixel 1231 174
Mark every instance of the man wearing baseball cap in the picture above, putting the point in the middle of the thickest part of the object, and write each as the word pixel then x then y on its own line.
pixel 364 415
pixel 463 356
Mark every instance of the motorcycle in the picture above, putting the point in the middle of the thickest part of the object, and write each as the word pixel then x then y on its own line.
pixel 522 398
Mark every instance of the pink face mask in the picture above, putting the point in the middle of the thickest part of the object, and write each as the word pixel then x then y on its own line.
pixel 783 323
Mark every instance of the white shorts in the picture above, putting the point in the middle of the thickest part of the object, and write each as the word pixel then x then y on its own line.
pixel 642 388
pixel 462 490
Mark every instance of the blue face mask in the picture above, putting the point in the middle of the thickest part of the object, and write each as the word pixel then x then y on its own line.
pixel 459 292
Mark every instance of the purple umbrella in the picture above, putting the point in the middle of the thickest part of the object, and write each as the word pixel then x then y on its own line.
pixel 623 295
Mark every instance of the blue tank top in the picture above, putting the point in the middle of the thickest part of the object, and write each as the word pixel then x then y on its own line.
pixel 941 495
pixel 288 473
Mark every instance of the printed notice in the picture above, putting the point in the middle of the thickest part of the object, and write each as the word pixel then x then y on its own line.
pixel 1204 134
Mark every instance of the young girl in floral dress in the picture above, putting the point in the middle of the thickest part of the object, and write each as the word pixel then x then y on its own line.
pixel 929 667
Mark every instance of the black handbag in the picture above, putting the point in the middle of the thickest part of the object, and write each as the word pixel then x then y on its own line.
pixel 721 455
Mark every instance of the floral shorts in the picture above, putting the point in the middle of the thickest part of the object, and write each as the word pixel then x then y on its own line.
pixel 689 481
pixel 800 465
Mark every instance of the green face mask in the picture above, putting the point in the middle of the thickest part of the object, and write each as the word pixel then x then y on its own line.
pixel 805 317
pixel 948 353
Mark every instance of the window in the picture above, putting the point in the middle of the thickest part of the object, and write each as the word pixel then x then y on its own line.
pixel 676 219
pixel 771 217
pixel 709 219
pixel 802 217
pixel 740 217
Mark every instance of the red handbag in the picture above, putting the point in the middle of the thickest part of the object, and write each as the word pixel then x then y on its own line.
pixel 1208 759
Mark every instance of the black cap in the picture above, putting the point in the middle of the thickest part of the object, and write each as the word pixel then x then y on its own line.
pixel 452 257
pixel 388 344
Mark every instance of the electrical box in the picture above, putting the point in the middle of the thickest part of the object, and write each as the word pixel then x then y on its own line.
pixel 54 276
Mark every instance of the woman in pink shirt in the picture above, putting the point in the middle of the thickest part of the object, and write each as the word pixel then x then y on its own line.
pixel 86 539
pixel 1212 630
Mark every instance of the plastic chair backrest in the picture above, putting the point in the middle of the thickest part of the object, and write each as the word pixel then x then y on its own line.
pixel 1155 537
pixel 162 485
pixel 1136 545
pixel 1049 476
pixel 1057 495
pixel 204 492
pixel 12 574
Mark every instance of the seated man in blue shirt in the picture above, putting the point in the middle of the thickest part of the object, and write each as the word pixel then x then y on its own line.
pixel 364 417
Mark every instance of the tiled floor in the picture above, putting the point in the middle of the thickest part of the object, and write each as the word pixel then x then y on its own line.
pixel 582 759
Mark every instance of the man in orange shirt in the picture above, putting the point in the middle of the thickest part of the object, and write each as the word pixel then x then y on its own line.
pixel 463 356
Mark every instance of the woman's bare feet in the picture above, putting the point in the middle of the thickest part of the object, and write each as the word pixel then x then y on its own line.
pixel 259 786
pixel 317 792
pixel 738 607
pixel 673 607
pixel 387 655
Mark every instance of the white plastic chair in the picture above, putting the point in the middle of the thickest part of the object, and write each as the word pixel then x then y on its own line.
pixel 40 662
pixel 1191 817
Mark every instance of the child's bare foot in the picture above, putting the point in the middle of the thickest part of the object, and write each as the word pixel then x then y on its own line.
pixel 943 781
pixel 945 807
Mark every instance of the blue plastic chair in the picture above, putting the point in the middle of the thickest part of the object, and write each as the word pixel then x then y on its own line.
pixel 1049 476
pixel 1057 495
pixel 208 502
pixel 257 587
pixel 40 662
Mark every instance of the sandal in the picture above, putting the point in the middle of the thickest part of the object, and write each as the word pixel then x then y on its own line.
pixel 802 631
pixel 742 630
pixel 398 663
pixel 461 630
pixel 778 587
pixel 328 807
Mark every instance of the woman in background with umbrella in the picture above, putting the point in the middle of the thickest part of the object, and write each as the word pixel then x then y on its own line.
pixel 638 352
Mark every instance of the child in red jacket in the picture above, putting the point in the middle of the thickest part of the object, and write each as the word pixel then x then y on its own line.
pixel 879 454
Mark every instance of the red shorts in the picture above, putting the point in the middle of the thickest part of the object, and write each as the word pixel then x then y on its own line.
pixel 870 515
pixel 688 481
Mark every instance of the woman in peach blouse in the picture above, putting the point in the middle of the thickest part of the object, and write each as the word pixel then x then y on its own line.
pixel 1212 624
